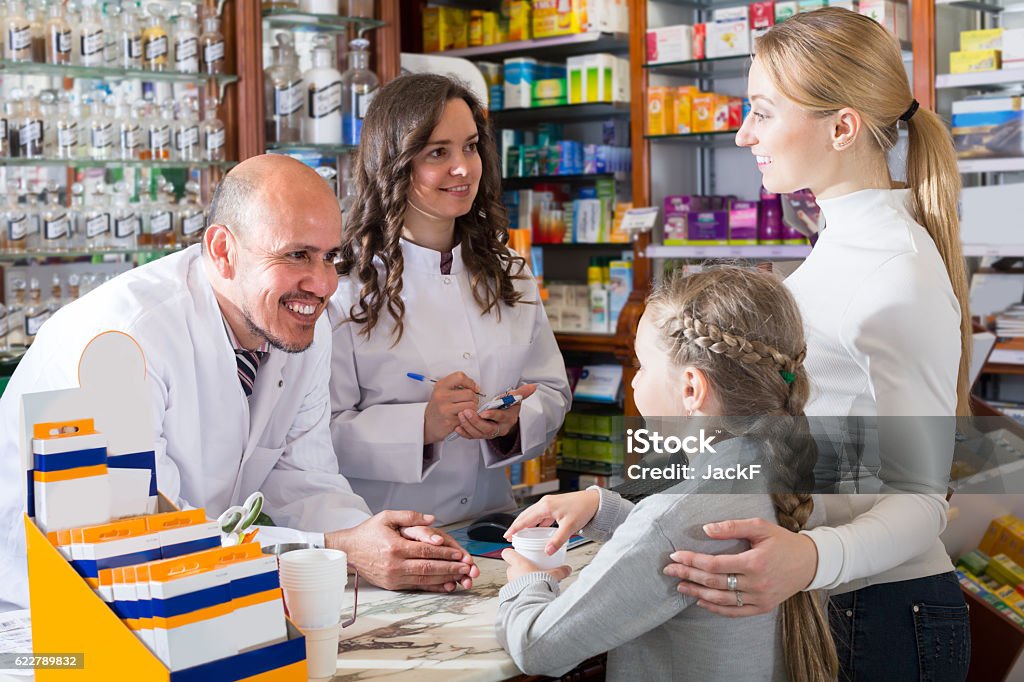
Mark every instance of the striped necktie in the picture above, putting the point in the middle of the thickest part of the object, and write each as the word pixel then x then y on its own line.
pixel 248 362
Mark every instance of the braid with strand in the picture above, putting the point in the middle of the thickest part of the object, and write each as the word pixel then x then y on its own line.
pixel 700 317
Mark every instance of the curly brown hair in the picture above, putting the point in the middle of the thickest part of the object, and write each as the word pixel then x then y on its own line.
pixel 398 125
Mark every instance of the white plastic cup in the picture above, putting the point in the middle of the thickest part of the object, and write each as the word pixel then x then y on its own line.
pixel 314 608
pixel 321 651
pixel 530 544
pixel 313 582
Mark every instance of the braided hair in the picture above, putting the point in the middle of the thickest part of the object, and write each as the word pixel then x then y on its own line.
pixel 743 330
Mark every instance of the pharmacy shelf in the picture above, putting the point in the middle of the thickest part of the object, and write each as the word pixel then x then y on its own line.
pixel 994 250
pixel 8 67
pixel 758 251
pixel 320 23
pixel 586 342
pixel 720 138
pixel 569 112
pixel 981 80
pixel 14 256
pixel 1010 165
pixel 112 163
pixel 706 69
pixel 585 246
pixel 542 488
pixel 560 46
pixel 528 180
pixel 299 147
pixel 969 5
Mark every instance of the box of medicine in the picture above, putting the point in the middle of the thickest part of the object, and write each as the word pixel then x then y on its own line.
pixel 735 113
pixel 192 612
pixel 988 127
pixel 987 39
pixel 708 227
pixel 852 5
pixel 70 484
pixel 762 15
pixel 620 285
pixel 743 222
pixel 975 60
pixel 729 34
pixel 809 5
pixel 784 10
pixel 576 68
pixel 676 211
pixel 256 601
pixel 111 545
pixel 891 15
pixel 549 92
pixel 519 20
pixel 700 41
pixel 620 79
pixel 1013 48
pixel 721 120
pixel 520 75
pixel 587 221
pixel 607 16
pixel 703 112
pixel 445 28
pixel 599 310
pixel 558 17
pixel 183 532
pixel 683 114
pixel 660 105
pixel 670 44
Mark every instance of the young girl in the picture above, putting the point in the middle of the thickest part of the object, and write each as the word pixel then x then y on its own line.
pixel 727 341
pixel 884 300
pixel 428 287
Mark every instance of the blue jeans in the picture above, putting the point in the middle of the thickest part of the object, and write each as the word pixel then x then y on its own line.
pixel 908 630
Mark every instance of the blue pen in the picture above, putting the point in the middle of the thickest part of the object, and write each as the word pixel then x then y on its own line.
pixel 421 377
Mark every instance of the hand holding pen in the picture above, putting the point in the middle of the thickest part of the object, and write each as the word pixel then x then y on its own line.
pixel 451 395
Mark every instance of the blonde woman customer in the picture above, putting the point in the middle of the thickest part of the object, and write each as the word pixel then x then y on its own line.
pixel 726 341
pixel 884 301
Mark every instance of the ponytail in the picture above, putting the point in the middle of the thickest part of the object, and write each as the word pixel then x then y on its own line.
pixel 934 181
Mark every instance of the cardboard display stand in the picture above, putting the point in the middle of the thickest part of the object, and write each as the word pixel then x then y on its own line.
pixel 68 617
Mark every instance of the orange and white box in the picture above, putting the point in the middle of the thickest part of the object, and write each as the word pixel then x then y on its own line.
pixel 684 109
pixel 192 612
pixel 255 596
pixel 703 114
pixel 70 483
pixel 183 532
pixel 660 110
pixel 144 613
pixel 112 545
pixel 670 44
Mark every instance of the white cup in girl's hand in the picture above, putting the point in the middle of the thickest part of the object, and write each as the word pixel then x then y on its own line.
pixel 530 544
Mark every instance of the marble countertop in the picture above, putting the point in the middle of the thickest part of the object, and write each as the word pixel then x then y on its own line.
pixel 426 636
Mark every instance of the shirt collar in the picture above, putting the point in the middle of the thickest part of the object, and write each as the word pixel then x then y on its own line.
pixel 422 259
pixel 262 348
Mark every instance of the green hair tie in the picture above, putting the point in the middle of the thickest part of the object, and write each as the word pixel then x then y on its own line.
pixel 788 377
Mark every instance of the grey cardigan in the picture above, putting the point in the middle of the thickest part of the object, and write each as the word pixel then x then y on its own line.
pixel 622 603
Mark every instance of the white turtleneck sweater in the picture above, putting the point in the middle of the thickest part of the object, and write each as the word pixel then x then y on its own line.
pixel 883 338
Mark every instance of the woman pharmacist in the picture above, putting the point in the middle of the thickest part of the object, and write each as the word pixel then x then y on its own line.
pixel 884 301
pixel 428 287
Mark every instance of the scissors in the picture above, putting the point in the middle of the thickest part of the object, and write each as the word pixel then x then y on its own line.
pixel 236 521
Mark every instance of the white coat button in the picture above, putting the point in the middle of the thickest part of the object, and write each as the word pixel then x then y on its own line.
pixel 849 613
pixel 467 355
pixel 280 384
pixel 464 500
pixel 916 608
pixel 447 280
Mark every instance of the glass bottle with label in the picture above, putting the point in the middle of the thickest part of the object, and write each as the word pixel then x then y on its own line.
pixel 65 130
pixel 36 16
pixel 129 39
pixel 359 85
pixel 191 220
pixel 101 129
pixel 158 222
pixel 154 40
pixel 283 92
pixel 3 328
pixel 129 138
pixel 186 40
pixel 7 128
pixel 91 40
pixel 213 133
pixel 30 125
pixel 34 215
pixel 48 113
pixel 111 25
pixel 56 301
pixel 161 129
pixel 77 224
pixel 58 35
pixel 17 33
pixel 36 313
pixel 97 222
pixel 74 287
pixel 16 220
pixel 16 316
pixel 212 44
pixel 126 222
pixel 186 133
pixel 322 122
pixel 56 230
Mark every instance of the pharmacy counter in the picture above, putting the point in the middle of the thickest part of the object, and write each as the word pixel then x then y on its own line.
pixel 424 636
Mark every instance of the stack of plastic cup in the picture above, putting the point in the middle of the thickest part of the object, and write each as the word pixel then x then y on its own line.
pixel 530 543
pixel 313 582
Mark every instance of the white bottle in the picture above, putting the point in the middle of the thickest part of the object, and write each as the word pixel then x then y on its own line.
pixel 101 130
pixel 91 41
pixel 322 123
pixel 186 40
pixel 129 137
pixel 212 133
pixel 186 132
pixel 97 222
pixel 56 235
pixel 319 6
pixel 126 221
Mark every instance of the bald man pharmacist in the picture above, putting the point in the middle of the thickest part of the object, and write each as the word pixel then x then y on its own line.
pixel 238 362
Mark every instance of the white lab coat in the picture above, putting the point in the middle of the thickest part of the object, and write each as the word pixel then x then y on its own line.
pixel 377 412
pixel 214 447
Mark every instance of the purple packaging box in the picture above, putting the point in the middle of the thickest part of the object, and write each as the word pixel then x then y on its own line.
pixel 677 208
pixel 708 227
pixel 743 222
